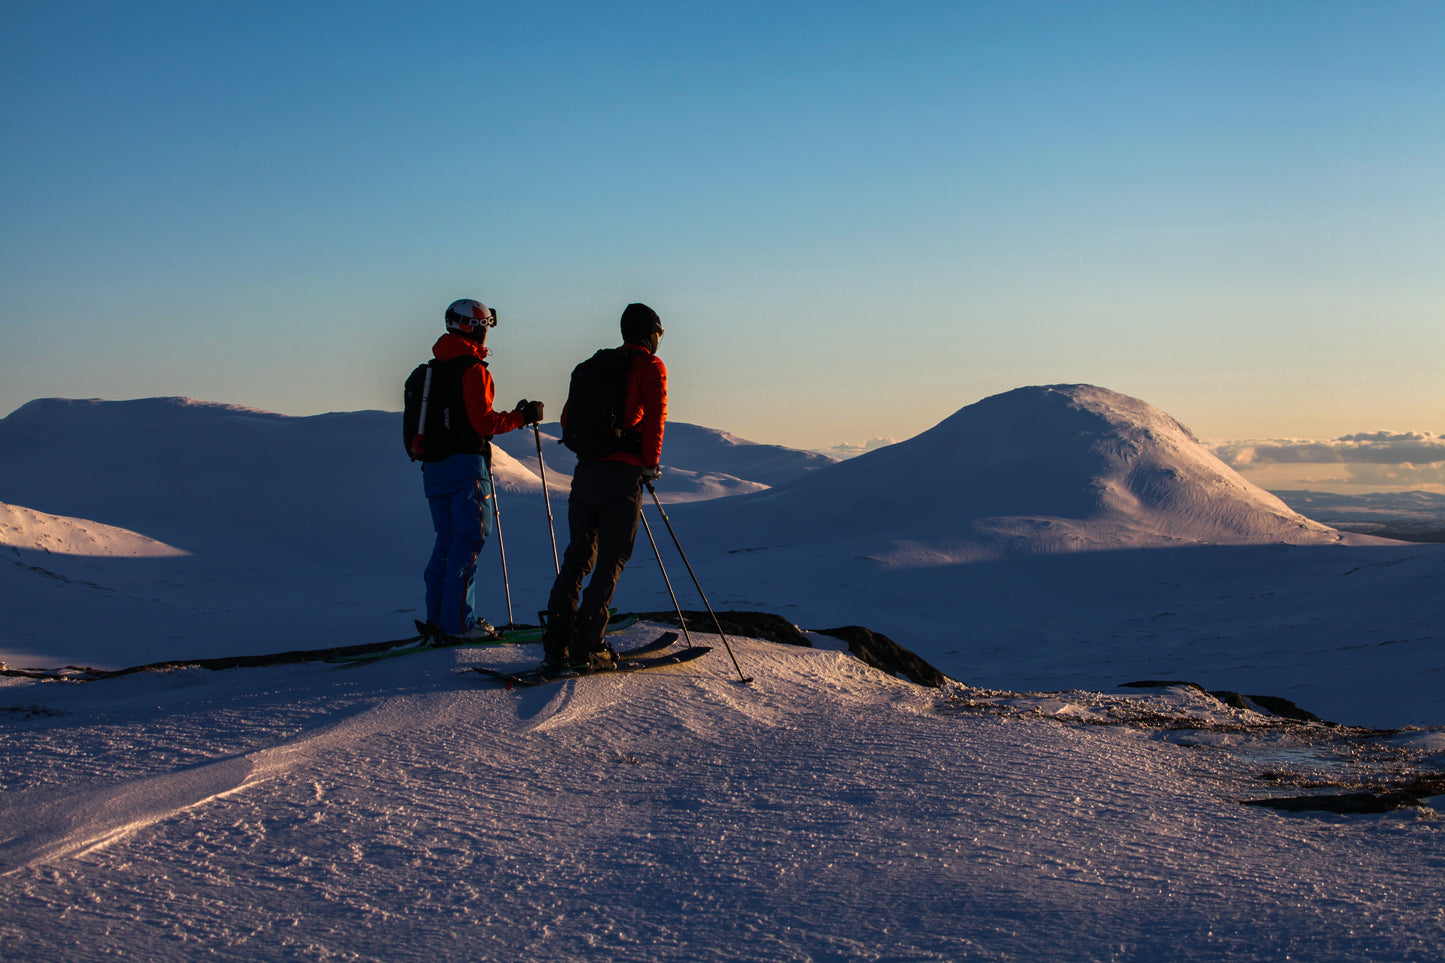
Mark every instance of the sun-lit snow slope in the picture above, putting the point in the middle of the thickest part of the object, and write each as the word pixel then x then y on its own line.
pixel 404 812
pixel 24 528
pixel 694 448
pixel 712 477
pixel 1036 470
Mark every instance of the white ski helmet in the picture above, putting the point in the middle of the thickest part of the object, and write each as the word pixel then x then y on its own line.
pixel 466 315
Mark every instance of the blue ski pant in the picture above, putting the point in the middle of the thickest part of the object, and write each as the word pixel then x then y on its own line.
pixel 462 517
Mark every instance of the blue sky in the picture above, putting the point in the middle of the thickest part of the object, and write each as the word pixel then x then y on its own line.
pixel 854 218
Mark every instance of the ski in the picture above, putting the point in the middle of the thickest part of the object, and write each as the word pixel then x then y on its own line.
pixel 535 633
pixel 646 650
pixel 663 641
pixel 419 643
pixel 536 677
pixel 426 642
pixel 628 662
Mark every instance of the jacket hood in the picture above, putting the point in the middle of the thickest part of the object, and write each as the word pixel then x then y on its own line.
pixel 450 346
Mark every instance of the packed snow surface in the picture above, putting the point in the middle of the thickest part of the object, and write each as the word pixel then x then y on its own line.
pixel 406 811
pixel 1043 547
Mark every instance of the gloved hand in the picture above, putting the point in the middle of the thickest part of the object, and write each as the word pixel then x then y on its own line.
pixel 652 474
pixel 531 411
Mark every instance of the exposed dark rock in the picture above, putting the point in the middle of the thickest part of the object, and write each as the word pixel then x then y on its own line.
pixel 1275 706
pixel 867 646
pixel 881 652
pixel 1162 684
pixel 1376 794
pixel 1343 802
pixel 752 625
pixel 1270 705
pixel 80 673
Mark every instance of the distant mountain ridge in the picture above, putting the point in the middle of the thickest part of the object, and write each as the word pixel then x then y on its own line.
pixel 1411 516
pixel 331 484
pixel 175 469
pixel 999 544
pixel 1037 469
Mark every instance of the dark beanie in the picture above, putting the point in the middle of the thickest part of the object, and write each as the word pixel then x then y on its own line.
pixel 639 321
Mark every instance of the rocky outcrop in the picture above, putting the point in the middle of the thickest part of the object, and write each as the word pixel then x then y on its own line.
pixel 871 648
pixel 883 653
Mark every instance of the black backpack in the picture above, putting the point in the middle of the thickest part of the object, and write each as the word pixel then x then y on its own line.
pixel 594 406
pixel 434 422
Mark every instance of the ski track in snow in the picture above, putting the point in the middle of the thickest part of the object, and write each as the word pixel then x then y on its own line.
pixel 43 825
pixel 403 811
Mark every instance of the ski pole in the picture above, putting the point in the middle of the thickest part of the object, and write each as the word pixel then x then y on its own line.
pixel 546 499
pixel 716 624
pixel 501 542
pixel 667 581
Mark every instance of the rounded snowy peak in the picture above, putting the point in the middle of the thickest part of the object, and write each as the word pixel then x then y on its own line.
pixel 1050 468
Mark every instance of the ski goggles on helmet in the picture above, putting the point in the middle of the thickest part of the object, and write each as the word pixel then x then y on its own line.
pixel 467 315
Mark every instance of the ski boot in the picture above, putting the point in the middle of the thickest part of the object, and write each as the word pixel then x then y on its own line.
pixel 602 660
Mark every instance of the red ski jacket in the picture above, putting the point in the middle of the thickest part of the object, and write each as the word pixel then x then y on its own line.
pixel 644 407
pixel 478 389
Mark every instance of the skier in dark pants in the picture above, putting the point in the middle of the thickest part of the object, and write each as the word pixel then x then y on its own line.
pixel 605 504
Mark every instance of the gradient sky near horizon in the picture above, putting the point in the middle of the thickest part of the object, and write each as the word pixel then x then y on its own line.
pixel 854 218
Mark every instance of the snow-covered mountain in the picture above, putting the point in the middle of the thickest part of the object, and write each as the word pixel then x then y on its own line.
pixel 216 480
pixel 1039 469
pixel 1036 470
pixel 1071 536
pixel 239 480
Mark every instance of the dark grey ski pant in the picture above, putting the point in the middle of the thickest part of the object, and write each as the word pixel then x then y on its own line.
pixel 602 518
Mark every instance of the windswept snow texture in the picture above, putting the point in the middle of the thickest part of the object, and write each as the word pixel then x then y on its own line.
pixel 403 811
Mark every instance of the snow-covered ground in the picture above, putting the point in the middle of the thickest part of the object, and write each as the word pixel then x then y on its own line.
pixel 1043 547
pixel 403 811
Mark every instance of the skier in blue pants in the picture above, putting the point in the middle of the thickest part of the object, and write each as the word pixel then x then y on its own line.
pixel 456 470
